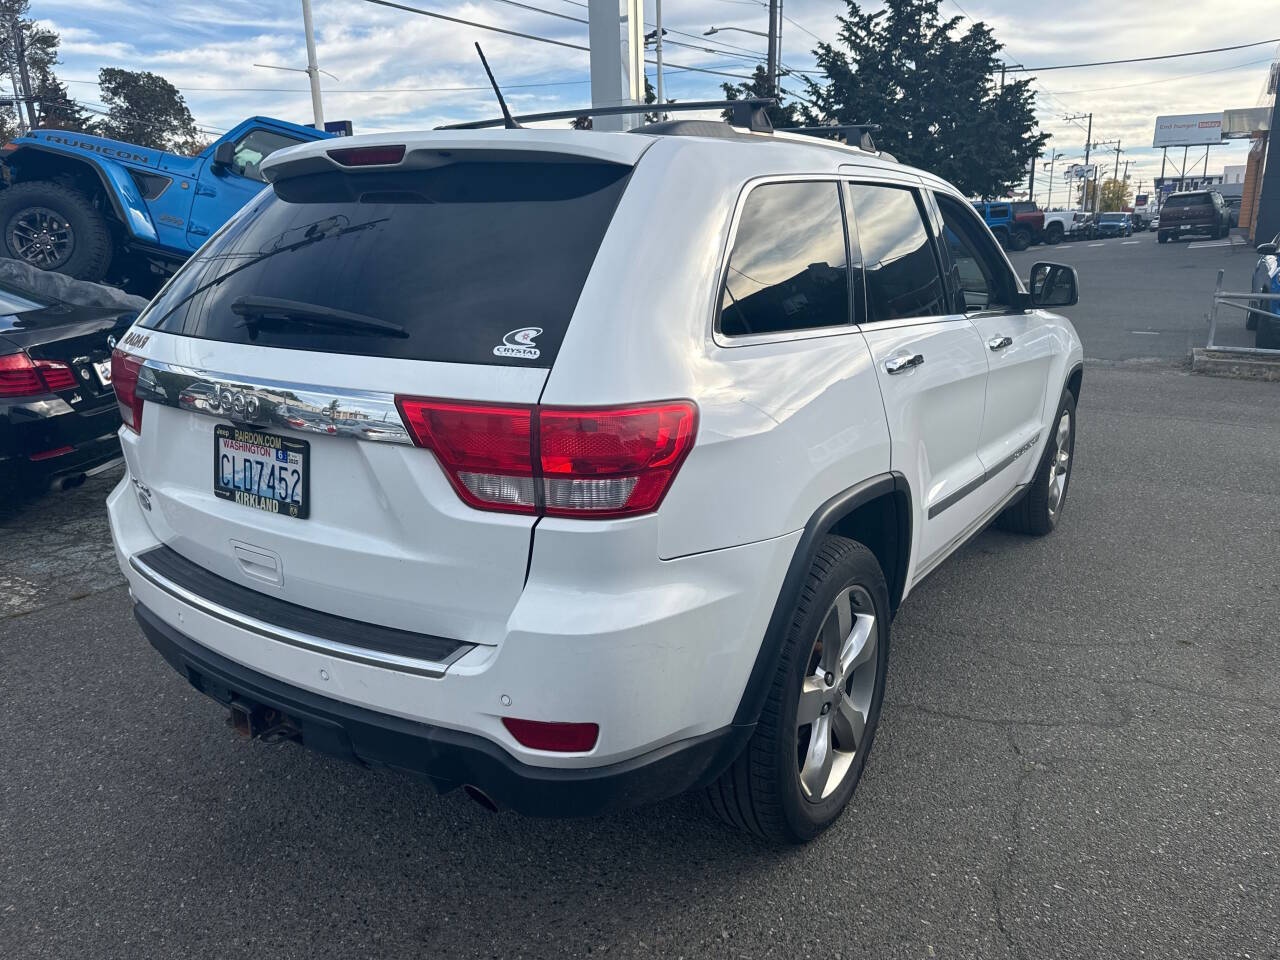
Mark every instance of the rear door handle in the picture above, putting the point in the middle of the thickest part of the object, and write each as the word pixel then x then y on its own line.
pixel 904 362
pixel 999 343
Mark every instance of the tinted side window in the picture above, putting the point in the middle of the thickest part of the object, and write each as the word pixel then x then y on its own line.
pixel 900 269
pixel 977 278
pixel 255 146
pixel 999 212
pixel 788 267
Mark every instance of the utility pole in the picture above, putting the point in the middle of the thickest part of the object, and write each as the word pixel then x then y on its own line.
pixel 313 69
pixel 1031 186
pixel 1088 138
pixel 657 48
pixel 20 57
pixel 1054 156
pixel 1115 171
pixel 773 48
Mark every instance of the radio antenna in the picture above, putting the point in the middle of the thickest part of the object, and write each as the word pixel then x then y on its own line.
pixel 506 114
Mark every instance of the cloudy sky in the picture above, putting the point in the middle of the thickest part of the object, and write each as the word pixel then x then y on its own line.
pixel 398 70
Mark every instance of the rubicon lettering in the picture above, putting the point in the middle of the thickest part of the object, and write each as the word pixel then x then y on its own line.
pixel 519 343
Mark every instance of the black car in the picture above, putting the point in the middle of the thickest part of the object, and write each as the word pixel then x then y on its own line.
pixel 58 414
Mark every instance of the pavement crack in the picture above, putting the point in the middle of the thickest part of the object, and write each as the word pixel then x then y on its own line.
pixel 999 890
pixel 1008 723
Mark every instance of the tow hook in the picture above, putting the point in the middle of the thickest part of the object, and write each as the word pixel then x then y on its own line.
pixel 256 722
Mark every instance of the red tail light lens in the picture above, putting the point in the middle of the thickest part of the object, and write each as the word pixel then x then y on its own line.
pixel 563 462
pixel 486 450
pixel 560 737
pixel 612 462
pixel 367 156
pixel 124 380
pixel 20 376
pixel 58 376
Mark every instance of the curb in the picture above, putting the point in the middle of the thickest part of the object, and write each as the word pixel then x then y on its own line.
pixel 1224 363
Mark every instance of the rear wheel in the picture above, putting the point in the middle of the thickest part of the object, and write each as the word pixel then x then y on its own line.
pixel 1053 233
pixel 55 227
pixel 1019 240
pixel 1040 508
pixel 1162 237
pixel 798 771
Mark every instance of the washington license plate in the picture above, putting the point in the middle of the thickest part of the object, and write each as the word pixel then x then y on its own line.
pixel 262 470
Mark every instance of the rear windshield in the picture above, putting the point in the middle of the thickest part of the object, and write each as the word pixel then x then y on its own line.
pixel 445 264
pixel 1025 207
pixel 1187 200
pixel 1113 218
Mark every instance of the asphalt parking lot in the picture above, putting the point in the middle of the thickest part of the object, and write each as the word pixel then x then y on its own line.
pixel 1078 755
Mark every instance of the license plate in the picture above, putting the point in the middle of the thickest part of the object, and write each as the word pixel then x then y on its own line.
pixel 262 470
pixel 103 369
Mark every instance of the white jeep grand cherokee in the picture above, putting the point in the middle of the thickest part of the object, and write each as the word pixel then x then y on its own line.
pixel 578 468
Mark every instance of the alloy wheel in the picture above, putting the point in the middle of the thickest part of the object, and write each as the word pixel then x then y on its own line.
pixel 1060 467
pixel 836 694
pixel 42 237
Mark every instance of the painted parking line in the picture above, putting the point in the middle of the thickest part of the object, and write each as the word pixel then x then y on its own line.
pixel 1125 243
pixel 1234 242
pixel 1097 244
pixel 1146 333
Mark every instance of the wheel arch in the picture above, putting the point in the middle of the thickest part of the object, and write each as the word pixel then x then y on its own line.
pixel 103 178
pixel 875 512
pixel 1074 379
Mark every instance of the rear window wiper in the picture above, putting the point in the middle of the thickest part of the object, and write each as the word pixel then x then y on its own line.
pixel 257 309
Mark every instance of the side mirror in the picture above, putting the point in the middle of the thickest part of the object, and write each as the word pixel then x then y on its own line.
pixel 1266 249
pixel 1054 285
pixel 224 156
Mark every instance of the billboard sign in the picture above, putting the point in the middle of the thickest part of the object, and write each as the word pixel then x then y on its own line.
pixel 1188 130
pixel 1140 200
pixel 1080 171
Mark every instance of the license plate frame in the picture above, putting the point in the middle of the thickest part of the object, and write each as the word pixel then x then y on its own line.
pixel 256 499
pixel 103 369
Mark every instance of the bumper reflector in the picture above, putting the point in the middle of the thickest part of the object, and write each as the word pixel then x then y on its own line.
pixel 558 737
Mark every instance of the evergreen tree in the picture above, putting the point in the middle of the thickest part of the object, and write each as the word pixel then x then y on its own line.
pixel 933 89
pixel 146 109
pixel 780 114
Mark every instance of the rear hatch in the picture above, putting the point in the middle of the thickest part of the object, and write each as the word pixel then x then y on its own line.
pixel 292 337
pixel 1187 209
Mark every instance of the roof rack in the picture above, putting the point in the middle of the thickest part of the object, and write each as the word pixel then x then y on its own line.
pixel 863 130
pixel 749 113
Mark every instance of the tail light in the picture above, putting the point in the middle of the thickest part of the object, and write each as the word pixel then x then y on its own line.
pixel 20 376
pixel 368 156
pixel 556 461
pixel 124 380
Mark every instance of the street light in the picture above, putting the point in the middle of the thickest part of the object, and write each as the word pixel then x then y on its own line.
pixel 715 30
pixel 1052 160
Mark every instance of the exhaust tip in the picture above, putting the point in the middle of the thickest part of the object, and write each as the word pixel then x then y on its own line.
pixel 480 797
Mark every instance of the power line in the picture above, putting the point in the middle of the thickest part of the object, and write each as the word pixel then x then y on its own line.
pixel 481 26
pixel 1185 76
pixel 1164 56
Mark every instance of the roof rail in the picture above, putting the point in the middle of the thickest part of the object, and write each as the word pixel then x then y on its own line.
pixel 863 130
pixel 749 113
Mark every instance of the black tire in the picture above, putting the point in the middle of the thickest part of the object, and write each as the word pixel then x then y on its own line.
pixel 1251 319
pixel 762 792
pixel 1035 513
pixel 1267 336
pixel 1019 240
pixel 82 250
pixel 1053 234
pixel 1162 237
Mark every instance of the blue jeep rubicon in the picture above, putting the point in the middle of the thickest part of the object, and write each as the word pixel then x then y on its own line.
pixel 81 204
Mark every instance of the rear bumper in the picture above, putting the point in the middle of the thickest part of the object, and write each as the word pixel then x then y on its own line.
pixel 47 438
pixel 450 758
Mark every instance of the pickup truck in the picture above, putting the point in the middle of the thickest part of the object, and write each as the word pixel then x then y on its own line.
pixel 1016 225
pixel 1194 212
pixel 84 205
